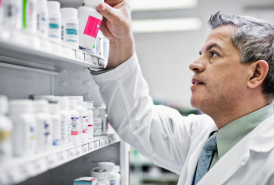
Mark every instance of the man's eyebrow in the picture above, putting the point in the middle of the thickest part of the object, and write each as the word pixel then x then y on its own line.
pixel 212 46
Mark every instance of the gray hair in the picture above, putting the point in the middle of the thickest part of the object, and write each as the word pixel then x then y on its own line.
pixel 254 39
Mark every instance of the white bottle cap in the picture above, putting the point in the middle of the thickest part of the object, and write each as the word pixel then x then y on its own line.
pixel 116 168
pixel 21 106
pixel 4 104
pixel 99 173
pixel 96 112
pixel 79 99
pixel 40 106
pixel 42 97
pixel 54 108
pixel 42 3
pixel 93 3
pixel 84 104
pixel 69 13
pixel 53 6
pixel 90 104
pixel 102 110
pixel 106 165
pixel 72 104
pixel 64 102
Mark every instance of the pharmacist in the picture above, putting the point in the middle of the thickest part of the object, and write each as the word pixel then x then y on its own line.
pixel 233 84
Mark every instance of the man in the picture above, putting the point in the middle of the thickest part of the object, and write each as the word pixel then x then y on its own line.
pixel 233 84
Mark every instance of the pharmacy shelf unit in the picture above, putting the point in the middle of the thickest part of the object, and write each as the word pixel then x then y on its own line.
pixel 35 66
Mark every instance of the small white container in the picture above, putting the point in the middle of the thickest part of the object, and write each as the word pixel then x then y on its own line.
pixel 90 119
pixel 65 119
pixel 74 126
pixel 54 29
pixel 97 123
pixel 99 44
pixel 85 121
pixel 89 23
pixel 103 116
pixel 101 175
pixel 12 14
pixel 6 129
pixel 54 110
pixel 29 19
pixel 81 110
pixel 44 125
pixel 42 18
pixel 70 27
pixel 24 135
pixel 116 170
pixel 113 176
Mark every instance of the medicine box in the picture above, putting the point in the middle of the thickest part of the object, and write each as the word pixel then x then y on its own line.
pixel 85 180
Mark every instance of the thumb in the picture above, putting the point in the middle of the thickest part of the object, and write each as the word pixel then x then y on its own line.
pixel 108 12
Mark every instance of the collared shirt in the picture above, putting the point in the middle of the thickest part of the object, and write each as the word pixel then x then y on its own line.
pixel 232 133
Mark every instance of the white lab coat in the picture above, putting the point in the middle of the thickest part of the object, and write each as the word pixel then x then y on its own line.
pixel 175 142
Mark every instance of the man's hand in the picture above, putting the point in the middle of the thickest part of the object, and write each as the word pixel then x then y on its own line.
pixel 116 26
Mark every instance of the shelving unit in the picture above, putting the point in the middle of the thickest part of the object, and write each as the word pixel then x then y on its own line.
pixel 34 66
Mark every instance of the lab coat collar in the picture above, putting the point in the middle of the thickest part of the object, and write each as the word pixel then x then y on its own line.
pixel 261 139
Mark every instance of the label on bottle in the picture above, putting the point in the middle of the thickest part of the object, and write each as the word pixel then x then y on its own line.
pixel 85 124
pixel 5 144
pixel 112 182
pixel 32 139
pixel 42 22
pixel 56 122
pixel 97 126
pixel 75 126
pixel 54 27
pixel 92 27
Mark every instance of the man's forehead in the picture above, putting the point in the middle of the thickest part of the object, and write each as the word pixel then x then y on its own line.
pixel 220 36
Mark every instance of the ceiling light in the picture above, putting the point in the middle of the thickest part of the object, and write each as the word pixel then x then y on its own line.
pixel 166 25
pixel 150 5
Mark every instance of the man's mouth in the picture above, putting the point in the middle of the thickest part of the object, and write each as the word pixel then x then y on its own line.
pixel 195 81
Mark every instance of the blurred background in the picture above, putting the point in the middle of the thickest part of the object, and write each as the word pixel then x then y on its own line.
pixel 168 36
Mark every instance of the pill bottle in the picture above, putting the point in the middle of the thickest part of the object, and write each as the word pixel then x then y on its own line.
pixel 44 125
pixel 54 21
pixel 85 121
pixel 116 170
pixel 54 110
pixel 29 19
pixel 101 175
pixel 97 123
pixel 113 177
pixel 81 110
pixel 103 116
pixel 74 126
pixel 89 23
pixel 12 10
pixel 99 44
pixel 24 122
pixel 6 129
pixel 65 119
pixel 70 27
pixel 42 18
pixel 90 119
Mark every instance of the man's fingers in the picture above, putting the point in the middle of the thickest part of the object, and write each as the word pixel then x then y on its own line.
pixel 108 12
pixel 112 3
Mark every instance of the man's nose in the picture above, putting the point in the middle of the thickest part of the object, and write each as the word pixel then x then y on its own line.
pixel 197 66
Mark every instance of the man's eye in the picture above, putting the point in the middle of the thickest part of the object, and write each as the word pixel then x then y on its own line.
pixel 213 54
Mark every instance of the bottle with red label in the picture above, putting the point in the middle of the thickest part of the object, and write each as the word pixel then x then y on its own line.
pixel 89 23
pixel 74 126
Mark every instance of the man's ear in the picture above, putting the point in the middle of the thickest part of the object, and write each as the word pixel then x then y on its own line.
pixel 258 72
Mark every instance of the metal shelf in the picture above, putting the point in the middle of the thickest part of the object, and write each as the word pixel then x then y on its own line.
pixel 41 54
pixel 18 169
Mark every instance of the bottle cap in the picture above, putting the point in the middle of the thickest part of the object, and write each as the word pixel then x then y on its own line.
pixel 72 104
pixel 53 6
pixel 99 173
pixel 64 102
pixel 42 3
pixel 79 99
pixel 84 104
pixel 90 104
pixel 106 165
pixel 21 106
pixel 102 110
pixel 116 168
pixel 96 112
pixel 4 104
pixel 69 13
pixel 54 108
pixel 40 106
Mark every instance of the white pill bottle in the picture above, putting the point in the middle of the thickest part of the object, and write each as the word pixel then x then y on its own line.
pixel 74 125
pixel 113 176
pixel 90 119
pixel 54 26
pixel 101 175
pixel 70 27
pixel 97 123
pixel 89 23
pixel 42 18
pixel 6 129
pixel 65 119
pixel 29 19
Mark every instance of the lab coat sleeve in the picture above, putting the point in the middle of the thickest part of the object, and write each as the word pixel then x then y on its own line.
pixel 158 132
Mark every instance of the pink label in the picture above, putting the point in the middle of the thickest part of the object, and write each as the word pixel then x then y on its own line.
pixel 92 26
pixel 74 133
